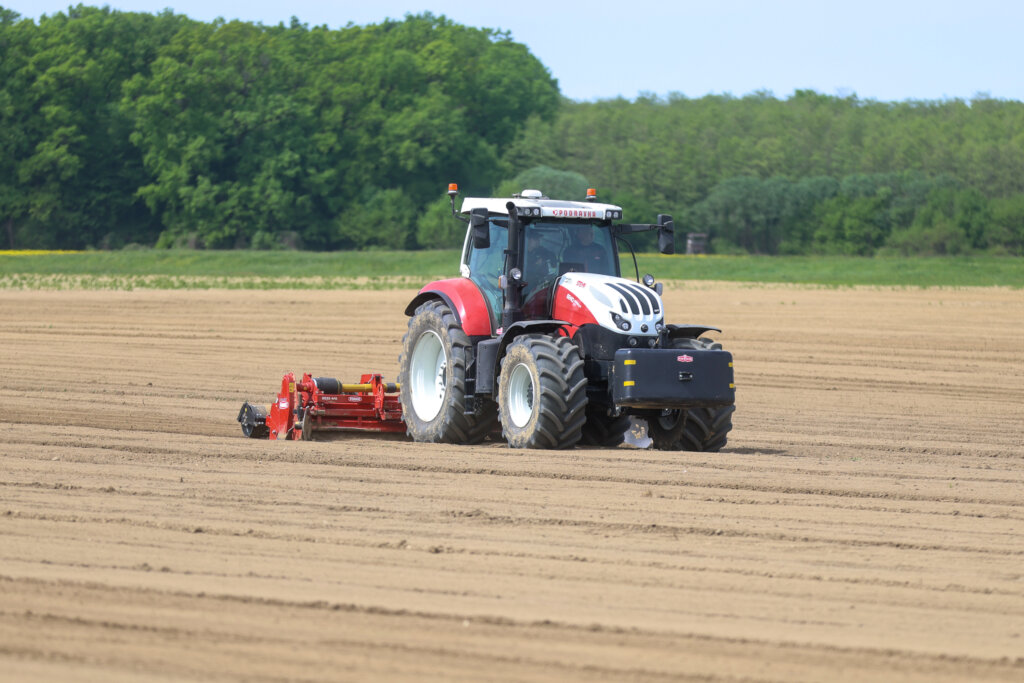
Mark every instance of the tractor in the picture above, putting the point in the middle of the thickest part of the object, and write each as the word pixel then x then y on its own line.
pixel 543 337
pixel 539 337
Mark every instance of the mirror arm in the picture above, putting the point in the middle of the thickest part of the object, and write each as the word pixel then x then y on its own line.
pixel 455 213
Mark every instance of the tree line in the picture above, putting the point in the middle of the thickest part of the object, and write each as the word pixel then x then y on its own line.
pixel 130 127
pixel 123 128
pixel 809 174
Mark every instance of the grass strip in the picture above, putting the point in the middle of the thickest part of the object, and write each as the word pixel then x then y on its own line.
pixel 189 269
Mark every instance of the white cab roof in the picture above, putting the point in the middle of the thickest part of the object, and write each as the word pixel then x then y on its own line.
pixel 550 208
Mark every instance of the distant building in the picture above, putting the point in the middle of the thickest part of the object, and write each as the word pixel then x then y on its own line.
pixel 696 243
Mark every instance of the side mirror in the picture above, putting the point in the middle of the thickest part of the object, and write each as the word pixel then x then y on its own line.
pixel 481 228
pixel 666 237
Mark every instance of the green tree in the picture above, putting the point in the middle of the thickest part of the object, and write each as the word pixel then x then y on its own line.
pixel 252 130
pixel 852 225
pixel 953 221
pixel 384 219
pixel 69 172
pixel 1006 232
pixel 436 228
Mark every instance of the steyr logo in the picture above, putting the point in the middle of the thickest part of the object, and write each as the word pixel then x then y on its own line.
pixel 574 213
pixel 684 358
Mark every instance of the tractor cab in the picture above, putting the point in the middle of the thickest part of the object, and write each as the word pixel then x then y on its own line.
pixel 551 238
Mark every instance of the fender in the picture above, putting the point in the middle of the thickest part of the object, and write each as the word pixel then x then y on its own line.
pixel 464 298
pixel 687 331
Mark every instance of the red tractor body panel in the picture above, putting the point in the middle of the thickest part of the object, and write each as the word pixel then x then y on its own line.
pixel 571 309
pixel 466 302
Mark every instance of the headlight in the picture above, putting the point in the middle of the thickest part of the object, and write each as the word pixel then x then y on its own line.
pixel 621 322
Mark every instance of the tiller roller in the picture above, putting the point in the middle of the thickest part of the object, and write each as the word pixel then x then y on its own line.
pixel 322 404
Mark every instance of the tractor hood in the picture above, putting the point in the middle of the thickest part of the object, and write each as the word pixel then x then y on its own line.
pixel 615 303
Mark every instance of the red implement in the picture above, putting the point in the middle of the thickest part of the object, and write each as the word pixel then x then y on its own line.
pixel 322 404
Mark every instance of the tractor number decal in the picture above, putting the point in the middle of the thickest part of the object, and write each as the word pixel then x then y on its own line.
pixel 581 283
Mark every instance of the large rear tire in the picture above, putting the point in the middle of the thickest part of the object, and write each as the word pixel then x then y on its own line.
pixel 602 430
pixel 696 429
pixel 542 393
pixel 432 374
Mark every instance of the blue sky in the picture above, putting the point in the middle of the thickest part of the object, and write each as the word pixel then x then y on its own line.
pixel 879 50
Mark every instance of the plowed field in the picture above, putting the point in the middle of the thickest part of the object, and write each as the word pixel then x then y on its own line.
pixel 865 521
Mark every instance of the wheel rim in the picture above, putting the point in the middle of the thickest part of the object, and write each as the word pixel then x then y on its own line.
pixel 307 426
pixel 520 395
pixel 669 419
pixel 428 374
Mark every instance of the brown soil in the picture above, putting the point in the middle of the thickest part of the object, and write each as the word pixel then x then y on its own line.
pixel 865 522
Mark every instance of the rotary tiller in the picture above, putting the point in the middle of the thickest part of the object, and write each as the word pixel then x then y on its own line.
pixel 314 405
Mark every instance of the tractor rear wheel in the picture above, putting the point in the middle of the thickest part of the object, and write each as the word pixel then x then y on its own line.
pixel 695 429
pixel 603 430
pixel 542 393
pixel 432 374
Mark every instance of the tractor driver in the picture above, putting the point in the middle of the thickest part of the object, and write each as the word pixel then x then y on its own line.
pixel 585 250
pixel 538 271
pixel 538 262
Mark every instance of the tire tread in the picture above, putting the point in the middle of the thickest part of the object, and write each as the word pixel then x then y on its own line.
pixel 562 394
pixel 455 426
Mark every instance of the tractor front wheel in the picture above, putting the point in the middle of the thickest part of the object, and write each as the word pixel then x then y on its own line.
pixel 432 374
pixel 542 393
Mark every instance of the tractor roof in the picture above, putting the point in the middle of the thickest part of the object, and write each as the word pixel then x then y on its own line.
pixel 549 208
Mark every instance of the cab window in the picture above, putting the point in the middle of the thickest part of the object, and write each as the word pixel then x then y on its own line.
pixel 485 267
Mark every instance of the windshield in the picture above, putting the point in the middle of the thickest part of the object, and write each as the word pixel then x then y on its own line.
pixel 569 247
pixel 549 249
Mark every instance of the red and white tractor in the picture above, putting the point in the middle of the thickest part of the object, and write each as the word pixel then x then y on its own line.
pixel 540 336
